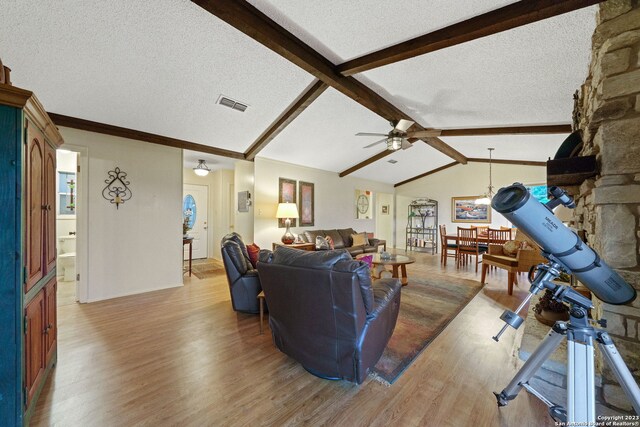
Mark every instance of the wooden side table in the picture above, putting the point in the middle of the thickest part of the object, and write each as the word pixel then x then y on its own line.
pixel 301 246
pixel 189 241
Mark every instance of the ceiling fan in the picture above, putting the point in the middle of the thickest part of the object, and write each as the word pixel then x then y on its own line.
pixel 397 138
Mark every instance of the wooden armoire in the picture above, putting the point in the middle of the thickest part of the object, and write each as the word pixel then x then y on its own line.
pixel 28 331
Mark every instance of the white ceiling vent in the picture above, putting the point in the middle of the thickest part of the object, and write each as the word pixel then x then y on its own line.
pixel 228 102
pixel 393 162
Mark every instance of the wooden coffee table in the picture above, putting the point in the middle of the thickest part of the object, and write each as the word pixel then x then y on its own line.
pixel 398 265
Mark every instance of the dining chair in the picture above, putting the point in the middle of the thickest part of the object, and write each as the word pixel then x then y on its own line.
pixel 446 247
pixel 520 262
pixel 468 246
pixel 498 237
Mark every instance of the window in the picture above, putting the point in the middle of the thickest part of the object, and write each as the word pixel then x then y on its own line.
pixel 66 193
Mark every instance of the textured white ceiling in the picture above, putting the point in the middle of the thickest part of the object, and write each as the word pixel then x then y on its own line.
pixel 155 66
pixel 414 161
pixel 523 76
pixel 323 136
pixel 342 30
pixel 160 66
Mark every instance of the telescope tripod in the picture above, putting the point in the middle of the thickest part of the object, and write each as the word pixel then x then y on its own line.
pixel 580 336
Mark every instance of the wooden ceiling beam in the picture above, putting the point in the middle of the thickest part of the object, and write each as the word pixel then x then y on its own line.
pixel 294 110
pixel 87 125
pixel 508 162
pixel 366 162
pixel 431 172
pixel 509 130
pixel 505 18
pixel 249 20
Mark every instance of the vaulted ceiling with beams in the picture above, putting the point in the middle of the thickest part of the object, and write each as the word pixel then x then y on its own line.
pixel 313 74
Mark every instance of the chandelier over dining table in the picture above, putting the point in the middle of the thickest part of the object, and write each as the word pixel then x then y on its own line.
pixel 486 197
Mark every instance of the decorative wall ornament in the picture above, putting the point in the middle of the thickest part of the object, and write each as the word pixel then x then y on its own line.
pixel 117 190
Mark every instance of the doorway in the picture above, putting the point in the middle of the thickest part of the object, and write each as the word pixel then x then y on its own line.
pixel 66 225
pixel 195 202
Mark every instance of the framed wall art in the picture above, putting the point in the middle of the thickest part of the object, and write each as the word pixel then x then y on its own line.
pixel 306 204
pixel 465 209
pixel 286 193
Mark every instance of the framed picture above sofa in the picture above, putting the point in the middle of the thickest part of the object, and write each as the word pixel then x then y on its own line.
pixel 465 209
pixel 286 193
pixel 306 203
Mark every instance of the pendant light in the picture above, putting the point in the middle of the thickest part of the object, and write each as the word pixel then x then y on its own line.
pixel 202 169
pixel 486 197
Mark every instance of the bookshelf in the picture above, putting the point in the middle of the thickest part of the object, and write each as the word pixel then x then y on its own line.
pixel 422 226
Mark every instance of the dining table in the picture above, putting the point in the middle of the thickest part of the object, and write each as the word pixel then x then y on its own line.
pixel 483 239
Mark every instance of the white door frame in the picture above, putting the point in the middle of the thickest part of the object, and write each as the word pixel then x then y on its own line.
pixel 82 221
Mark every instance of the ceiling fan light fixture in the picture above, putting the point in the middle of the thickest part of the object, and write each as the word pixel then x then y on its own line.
pixel 202 169
pixel 394 143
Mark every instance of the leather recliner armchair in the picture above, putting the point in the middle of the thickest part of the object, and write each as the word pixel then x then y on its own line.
pixel 325 313
pixel 243 279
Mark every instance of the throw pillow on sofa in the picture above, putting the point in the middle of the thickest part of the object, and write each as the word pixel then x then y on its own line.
pixel 253 251
pixel 322 244
pixel 330 242
pixel 360 239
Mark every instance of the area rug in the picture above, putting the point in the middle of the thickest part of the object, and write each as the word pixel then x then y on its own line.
pixel 426 308
pixel 205 268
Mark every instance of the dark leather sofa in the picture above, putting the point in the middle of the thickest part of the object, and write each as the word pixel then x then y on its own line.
pixel 325 313
pixel 342 240
pixel 243 279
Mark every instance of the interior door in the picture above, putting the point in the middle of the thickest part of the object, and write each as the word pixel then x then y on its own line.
pixel 194 207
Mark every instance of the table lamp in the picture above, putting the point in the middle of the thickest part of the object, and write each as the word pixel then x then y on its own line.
pixel 287 211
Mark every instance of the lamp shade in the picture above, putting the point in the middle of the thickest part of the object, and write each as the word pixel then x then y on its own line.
pixel 287 210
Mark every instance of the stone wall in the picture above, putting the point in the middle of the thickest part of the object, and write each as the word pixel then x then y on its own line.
pixel 608 207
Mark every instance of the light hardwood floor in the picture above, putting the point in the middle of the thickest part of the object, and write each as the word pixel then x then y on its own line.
pixel 182 357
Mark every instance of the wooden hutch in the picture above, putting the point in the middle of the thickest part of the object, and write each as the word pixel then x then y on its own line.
pixel 28 330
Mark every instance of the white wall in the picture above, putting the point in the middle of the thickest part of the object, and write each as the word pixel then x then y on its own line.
pixel 471 179
pixel 334 199
pixel 243 181
pixel 137 248
pixel 385 222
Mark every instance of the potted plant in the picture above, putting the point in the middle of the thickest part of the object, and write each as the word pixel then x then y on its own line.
pixel 185 226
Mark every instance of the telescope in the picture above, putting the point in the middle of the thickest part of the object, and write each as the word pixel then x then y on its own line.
pixel 561 244
pixel 566 252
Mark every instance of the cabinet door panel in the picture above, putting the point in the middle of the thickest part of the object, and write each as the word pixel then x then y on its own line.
pixel 50 212
pixel 51 327
pixel 33 344
pixel 34 206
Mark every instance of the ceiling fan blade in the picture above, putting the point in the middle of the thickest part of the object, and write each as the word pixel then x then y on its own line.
pixel 370 134
pixel 403 125
pixel 427 133
pixel 406 144
pixel 375 143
